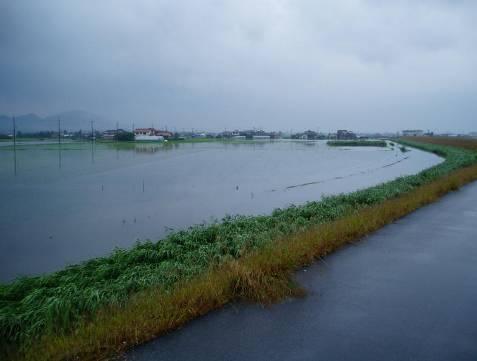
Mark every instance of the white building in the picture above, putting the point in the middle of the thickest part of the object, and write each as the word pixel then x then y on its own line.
pixel 147 134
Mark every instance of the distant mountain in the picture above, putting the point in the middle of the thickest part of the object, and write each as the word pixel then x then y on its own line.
pixel 29 121
pixel 72 121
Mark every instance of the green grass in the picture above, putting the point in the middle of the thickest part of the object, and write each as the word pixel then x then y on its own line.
pixel 357 143
pixel 94 299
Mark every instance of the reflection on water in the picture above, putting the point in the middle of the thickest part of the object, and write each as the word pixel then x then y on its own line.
pixel 147 147
pixel 59 155
pixel 64 203
pixel 93 143
pixel 15 158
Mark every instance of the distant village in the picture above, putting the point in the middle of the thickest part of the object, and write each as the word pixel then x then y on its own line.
pixel 154 134
pixel 140 134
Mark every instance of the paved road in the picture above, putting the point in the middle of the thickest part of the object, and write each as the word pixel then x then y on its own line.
pixel 408 292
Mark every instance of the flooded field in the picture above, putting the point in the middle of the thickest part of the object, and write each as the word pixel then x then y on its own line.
pixel 62 205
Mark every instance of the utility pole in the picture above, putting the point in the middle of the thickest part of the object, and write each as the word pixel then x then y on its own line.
pixel 92 143
pixel 117 140
pixel 14 132
pixel 59 130
pixel 59 143
pixel 14 146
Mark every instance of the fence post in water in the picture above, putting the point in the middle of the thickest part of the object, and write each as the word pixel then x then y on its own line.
pixel 143 185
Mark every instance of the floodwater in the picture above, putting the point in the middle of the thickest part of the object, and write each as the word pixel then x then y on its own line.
pixel 65 204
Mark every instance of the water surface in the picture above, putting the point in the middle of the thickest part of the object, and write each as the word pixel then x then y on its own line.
pixel 63 205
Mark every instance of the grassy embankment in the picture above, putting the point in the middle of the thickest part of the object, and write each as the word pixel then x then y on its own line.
pixel 99 308
pixel 356 143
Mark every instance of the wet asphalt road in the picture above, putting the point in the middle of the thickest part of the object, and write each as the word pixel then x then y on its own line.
pixel 408 292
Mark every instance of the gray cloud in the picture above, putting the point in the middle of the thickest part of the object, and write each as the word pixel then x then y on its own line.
pixel 215 64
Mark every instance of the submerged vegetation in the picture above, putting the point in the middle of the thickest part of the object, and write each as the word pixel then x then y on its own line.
pixel 356 143
pixel 100 307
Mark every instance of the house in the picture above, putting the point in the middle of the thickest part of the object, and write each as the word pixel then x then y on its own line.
pixel 151 134
pixel 412 133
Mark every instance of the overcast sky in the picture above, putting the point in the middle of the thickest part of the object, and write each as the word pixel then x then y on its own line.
pixel 284 64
